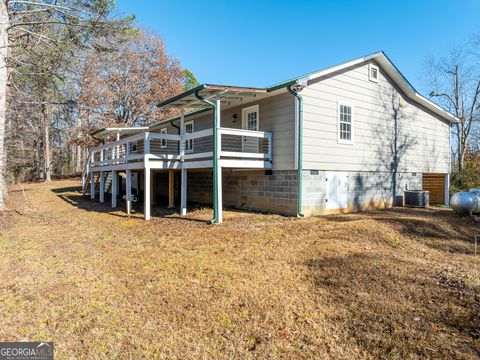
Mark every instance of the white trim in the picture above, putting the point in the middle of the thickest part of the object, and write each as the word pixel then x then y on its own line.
pixel 147 180
pixel 395 75
pixel 183 192
pixel 163 141
pixel 370 68
pixel 164 157
pixel 198 164
pixel 253 164
pixel 250 109
pixel 165 164
pixel 236 154
pixel 296 132
pixel 344 141
pixel 206 154
pixel 115 143
pixel 191 141
pixel 242 132
pixel 447 190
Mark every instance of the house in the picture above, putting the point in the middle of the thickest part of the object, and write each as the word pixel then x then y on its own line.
pixel 349 137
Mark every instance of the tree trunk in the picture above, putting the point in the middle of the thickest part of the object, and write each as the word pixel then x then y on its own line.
pixel 46 143
pixel 459 148
pixel 79 164
pixel 4 24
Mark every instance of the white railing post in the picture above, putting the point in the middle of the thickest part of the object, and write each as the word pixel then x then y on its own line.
pixel 102 179
pixel 183 192
pixel 219 166
pixel 129 190
pixel 147 176
pixel 182 133
pixel 146 147
pixel 447 190
pixel 146 192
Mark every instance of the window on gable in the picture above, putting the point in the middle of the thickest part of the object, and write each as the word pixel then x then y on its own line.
pixel 163 142
pixel 373 73
pixel 345 124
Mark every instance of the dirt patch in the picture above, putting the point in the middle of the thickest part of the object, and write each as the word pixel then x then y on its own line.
pixel 401 283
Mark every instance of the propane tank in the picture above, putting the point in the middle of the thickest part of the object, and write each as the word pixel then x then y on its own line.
pixel 466 201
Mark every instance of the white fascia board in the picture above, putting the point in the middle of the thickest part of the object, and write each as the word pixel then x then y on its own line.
pixel 405 86
pixel 394 74
pixel 337 68
pixel 436 109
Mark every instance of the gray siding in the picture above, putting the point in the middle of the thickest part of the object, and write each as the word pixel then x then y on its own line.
pixel 365 190
pixel 276 115
pixel 383 130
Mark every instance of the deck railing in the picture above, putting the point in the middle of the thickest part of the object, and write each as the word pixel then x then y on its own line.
pixel 233 144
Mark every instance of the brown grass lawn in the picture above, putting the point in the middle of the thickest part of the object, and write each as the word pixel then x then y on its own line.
pixel 393 284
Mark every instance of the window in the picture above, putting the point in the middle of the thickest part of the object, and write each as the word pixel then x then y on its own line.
pixel 345 124
pixel 163 142
pixel 373 73
pixel 189 130
pixel 250 119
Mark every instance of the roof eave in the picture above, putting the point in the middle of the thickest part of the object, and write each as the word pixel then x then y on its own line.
pixel 384 60
pixel 182 95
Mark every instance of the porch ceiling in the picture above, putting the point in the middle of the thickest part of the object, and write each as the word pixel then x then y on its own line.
pixel 227 94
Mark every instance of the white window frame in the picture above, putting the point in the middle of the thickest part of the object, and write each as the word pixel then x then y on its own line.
pixel 250 109
pixel 370 67
pixel 352 126
pixel 191 141
pixel 163 142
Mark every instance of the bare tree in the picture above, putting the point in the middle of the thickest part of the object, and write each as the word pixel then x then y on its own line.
pixel 455 82
pixel 123 87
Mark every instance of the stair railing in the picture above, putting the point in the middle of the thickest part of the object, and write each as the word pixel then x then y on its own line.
pixel 86 172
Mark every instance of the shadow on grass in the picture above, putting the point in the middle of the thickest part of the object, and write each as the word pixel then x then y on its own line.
pixel 438 228
pixel 73 196
pixel 398 309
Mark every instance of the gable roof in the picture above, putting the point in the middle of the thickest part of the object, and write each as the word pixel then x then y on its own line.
pixel 391 70
pixel 227 93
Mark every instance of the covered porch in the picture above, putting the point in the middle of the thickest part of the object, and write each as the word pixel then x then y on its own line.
pixel 144 153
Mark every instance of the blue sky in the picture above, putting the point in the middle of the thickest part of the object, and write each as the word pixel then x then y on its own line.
pixel 258 43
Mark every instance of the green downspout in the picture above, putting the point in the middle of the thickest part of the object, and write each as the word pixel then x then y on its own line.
pixel 215 157
pixel 300 150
